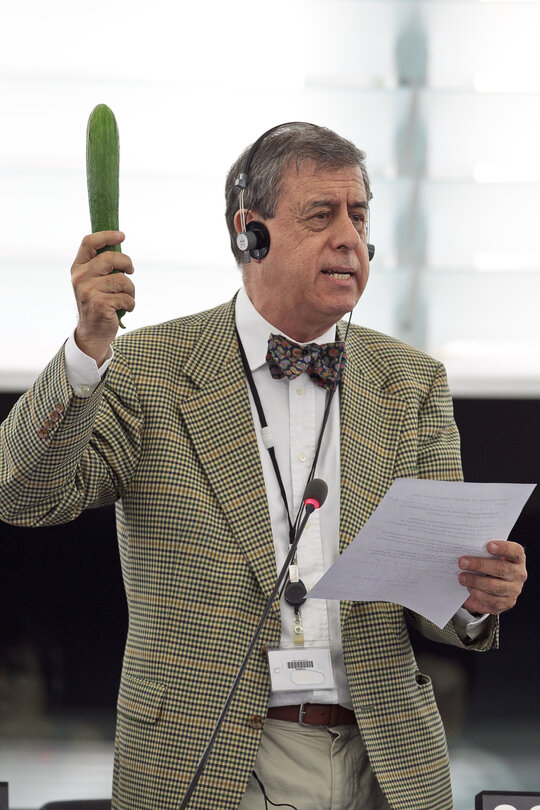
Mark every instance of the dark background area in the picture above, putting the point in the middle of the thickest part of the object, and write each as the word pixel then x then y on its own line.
pixel 501 442
pixel 61 587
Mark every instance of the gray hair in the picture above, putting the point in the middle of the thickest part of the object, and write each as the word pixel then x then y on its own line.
pixel 297 141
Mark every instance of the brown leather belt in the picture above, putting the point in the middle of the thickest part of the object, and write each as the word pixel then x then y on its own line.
pixel 314 714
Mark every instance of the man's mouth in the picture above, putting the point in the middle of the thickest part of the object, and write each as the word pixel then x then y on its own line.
pixel 340 275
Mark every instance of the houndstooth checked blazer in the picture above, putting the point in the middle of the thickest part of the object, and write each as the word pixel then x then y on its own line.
pixel 170 438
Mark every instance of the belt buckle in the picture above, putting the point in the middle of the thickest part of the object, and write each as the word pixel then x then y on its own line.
pixel 301 714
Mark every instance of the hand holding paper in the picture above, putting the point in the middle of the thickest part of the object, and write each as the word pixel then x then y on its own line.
pixel 502 578
pixel 408 551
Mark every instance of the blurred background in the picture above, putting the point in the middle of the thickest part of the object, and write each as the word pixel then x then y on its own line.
pixel 445 99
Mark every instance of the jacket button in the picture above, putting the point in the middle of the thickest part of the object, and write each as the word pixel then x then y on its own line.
pixel 54 416
pixel 59 408
pixel 43 433
pixel 48 425
pixel 256 722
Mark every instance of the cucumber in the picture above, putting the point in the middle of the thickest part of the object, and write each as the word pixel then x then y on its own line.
pixel 102 173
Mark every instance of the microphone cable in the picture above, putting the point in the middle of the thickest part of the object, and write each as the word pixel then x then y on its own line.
pixel 268 801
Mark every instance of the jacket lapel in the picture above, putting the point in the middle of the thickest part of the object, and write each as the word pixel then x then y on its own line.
pixel 219 421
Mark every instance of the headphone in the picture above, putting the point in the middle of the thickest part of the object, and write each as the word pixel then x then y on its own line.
pixel 254 238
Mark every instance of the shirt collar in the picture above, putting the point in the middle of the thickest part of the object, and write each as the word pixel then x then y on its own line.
pixel 254 331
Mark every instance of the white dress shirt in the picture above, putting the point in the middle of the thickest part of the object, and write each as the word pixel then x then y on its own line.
pixel 294 411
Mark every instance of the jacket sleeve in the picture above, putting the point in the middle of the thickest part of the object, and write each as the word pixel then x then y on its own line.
pixel 439 457
pixel 60 453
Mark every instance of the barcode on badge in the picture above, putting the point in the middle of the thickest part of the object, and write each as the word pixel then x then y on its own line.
pixel 300 664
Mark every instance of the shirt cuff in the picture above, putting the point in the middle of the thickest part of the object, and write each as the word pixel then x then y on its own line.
pixel 82 371
pixel 468 626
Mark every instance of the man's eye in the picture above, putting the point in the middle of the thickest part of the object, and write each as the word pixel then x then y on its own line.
pixel 359 222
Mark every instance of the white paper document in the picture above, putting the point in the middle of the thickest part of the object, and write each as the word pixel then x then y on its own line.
pixel 408 550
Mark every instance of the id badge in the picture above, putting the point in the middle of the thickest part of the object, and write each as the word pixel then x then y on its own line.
pixel 296 670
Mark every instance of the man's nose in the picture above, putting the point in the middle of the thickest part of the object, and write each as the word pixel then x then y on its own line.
pixel 345 235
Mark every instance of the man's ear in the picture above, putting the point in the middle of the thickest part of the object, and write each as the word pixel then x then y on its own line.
pixel 237 221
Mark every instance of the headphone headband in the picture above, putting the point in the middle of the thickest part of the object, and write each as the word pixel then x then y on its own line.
pixel 242 179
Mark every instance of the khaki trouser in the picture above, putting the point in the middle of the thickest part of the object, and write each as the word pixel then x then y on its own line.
pixel 313 768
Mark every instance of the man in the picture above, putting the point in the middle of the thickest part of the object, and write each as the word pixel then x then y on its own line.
pixel 169 429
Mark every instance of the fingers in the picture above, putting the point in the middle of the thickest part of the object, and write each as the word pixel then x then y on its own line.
pixel 94 241
pixel 494 583
pixel 89 263
pixel 100 311
pixel 511 551
pixel 509 563
pixel 103 274
pixel 105 293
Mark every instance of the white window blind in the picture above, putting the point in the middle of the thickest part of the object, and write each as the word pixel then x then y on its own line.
pixel 443 96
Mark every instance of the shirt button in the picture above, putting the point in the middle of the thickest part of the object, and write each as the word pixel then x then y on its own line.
pixel 300 391
pixel 256 721
pixel 84 390
pixel 302 457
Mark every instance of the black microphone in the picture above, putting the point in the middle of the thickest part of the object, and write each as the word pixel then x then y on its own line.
pixel 314 496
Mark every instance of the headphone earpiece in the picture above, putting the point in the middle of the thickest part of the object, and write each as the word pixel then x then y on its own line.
pixel 371 251
pixel 255 240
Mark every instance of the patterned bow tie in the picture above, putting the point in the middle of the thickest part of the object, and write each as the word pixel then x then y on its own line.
pixel 325 364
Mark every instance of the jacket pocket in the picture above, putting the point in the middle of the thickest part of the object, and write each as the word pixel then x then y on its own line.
pixel 424 691
pixel 422 680
pixel 140 699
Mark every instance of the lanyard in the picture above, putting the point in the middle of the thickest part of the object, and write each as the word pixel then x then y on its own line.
pixel 294 590
pixel 269 443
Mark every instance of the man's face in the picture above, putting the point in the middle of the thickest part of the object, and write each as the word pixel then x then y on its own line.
pixel 317 266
